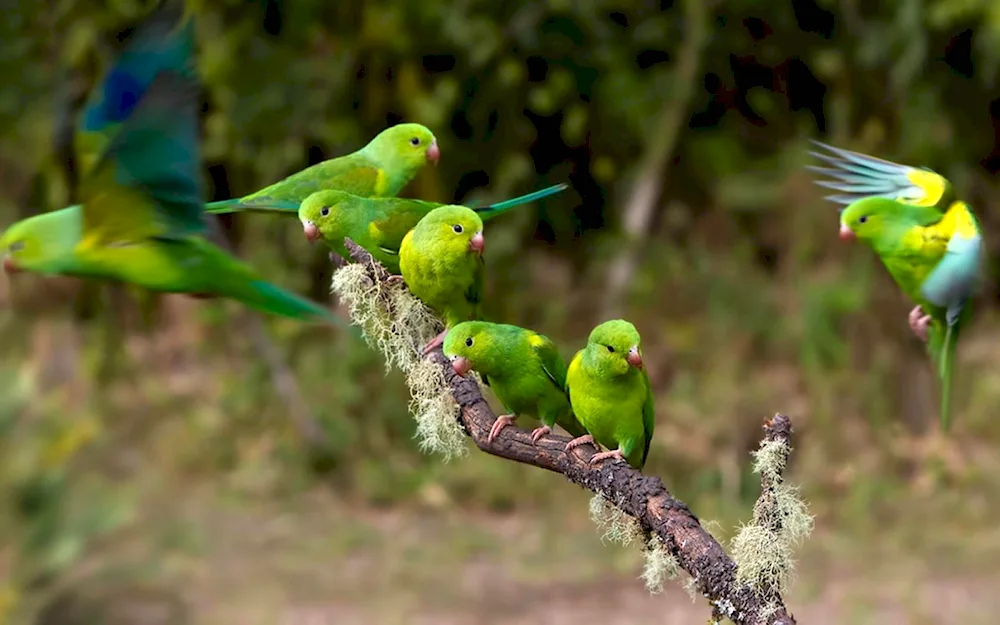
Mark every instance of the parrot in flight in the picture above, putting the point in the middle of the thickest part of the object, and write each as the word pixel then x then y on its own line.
pixel 380 169
pixel 928 239
pixel 379 224
pixel 611 396
pixel 141 219
pixel 523 368
pixel 441 261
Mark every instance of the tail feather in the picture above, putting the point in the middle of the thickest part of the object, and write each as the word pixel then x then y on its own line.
pixel 492 210
pixel 943 341
pixel 272 299
pixel 262 205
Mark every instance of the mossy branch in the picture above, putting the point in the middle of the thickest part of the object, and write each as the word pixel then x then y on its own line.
pixel 640 496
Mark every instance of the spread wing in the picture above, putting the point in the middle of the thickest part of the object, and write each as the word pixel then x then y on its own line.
pixel 857 176
pixel 147 183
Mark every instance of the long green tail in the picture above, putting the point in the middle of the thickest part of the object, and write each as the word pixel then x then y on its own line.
pixel 492 210
pixel 261 205
pixel 275 300
pixel 942 345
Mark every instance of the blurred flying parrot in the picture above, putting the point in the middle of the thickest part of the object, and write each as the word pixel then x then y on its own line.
pixel 380 169
pixel 523 368
pixel 441 261
pixel 141 220
pixel 611 395
pixel 928 239
pixel 379 224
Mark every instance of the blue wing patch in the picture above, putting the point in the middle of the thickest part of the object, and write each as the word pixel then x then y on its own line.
pixel 955 277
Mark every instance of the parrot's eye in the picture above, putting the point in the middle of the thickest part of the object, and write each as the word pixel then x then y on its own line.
pixel 469 342
pixel 457 228
pixel 324 211
pixel 415 141
pixel 863 219
pixel 16 246
pixel 610 349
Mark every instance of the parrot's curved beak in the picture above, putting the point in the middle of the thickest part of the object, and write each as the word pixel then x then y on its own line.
pixel 9 266
pixel 634 358
pixel 311 231
pixel 461 365
pixel 477 243
pixel 433 152
pixel 846 234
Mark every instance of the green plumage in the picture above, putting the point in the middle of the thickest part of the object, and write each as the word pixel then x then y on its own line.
pixel 523 368
pixel 610 394
pixel 380 169
pixel 379 224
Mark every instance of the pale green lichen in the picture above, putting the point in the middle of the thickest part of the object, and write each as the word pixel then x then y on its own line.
pixel 660 565
pixel 398 325
pixel 615 525
pixel 764 548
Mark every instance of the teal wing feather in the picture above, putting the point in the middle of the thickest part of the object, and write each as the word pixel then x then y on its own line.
pixel 648 417
pixel 498 208
pixel 953 280
pixel 857 176
pixel 155 156
pixel 261 205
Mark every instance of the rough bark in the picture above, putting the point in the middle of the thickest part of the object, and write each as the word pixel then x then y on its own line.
pixel 641 496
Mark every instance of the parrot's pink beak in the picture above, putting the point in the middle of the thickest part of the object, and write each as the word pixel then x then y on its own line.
pixel 461 365
pixel 634 358
pixel 846 234
pixel 433 152
pixel 311 231
pixel 477 243
pixel 9 266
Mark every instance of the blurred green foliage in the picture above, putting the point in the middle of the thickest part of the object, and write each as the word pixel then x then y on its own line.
pixel 746 301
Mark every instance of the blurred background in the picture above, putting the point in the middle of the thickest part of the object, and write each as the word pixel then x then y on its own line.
pixel 172 461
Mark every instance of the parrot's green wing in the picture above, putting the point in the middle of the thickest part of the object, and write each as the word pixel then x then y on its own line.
pixel 474 294
pixel 552 362
pixel 857 176
pixel 648 416
pixel 146 183
pixel 397 217
pixel 164 41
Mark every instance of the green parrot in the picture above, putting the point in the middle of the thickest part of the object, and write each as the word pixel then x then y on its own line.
pixel 441 261
pixel 927 238
pixel 523 368
pixel 142 220
pixel 379 224
pixel 380 169
pixel 163 41
pixel 610 394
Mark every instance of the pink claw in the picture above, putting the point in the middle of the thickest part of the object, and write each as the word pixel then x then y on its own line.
pixel 539 432
pixel 502 421
pixel 581 440
pixel 434 343
pixel 605 455
pixel 919 323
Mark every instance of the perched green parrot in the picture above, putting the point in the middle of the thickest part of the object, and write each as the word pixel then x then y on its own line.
pixel 610 394
pixel 523 368
pixel 379 224
pixel 163 41
pixel 380 169
pixel 441 261
pixel 142 220
pixel 927 238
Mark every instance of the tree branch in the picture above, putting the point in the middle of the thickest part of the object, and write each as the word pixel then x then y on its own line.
pixel 643 497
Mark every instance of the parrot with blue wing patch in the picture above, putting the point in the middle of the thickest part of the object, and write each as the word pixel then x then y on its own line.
pixel 928 239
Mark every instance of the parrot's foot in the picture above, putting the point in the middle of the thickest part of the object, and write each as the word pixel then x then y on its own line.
pixel 581 440
pixel 435 343
pixel 502 421
pixel 537 433
pixel 604 455
pixel 394 279
pixel 919 323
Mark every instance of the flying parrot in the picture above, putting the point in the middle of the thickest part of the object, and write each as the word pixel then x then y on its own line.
pixel 164 41
pixel 928 239
pixel 523 368
pixel 611 395
pixel 380 169
pixel 141 220
pixel 379 224
pixel 441 261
